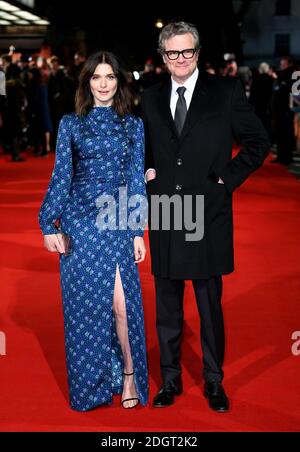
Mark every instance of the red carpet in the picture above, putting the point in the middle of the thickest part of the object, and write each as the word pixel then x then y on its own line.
pixel 261 306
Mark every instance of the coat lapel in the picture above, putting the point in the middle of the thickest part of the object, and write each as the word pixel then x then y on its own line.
pixel 164 106
pixel 201 104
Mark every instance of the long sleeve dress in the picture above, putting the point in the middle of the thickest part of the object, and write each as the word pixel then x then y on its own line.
pixel 97 155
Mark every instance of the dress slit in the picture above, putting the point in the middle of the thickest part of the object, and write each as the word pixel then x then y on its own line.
pixel 128 335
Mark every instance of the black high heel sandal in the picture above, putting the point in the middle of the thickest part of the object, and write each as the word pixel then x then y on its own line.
pixel 129 400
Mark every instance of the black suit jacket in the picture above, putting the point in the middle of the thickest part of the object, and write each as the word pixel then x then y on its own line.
pixel 191 164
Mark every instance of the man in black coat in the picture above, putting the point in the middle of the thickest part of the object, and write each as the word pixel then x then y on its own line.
pixel 191 122
pixel 284 116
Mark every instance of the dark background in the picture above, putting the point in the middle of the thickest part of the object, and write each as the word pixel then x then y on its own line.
pixel 128 28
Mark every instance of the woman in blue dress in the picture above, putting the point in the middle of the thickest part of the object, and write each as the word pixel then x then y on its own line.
pixel 99 160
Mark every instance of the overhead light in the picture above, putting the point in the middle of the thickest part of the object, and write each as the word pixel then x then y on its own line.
pixel 12 15
pixel 7 16
pixel 41 22
pixel 136 75
pixel 29 3
pixel 22 22
pixel 26 15
pixel 8 7
pixel 159 23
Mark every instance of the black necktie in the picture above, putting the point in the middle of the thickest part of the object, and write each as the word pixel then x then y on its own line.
pixel 181 110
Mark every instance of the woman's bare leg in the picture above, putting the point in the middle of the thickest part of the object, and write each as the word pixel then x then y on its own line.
pixel 119 307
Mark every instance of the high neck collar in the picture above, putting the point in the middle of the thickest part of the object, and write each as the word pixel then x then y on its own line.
pixel 102 109
pixel 103 113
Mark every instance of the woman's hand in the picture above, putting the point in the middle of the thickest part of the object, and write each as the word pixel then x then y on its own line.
pixel 139 250
pixel 55 243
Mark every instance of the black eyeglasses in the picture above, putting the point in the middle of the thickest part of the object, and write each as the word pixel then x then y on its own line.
pixel 174 54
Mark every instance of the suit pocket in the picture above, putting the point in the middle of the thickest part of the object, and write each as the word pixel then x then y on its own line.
pixel 213 186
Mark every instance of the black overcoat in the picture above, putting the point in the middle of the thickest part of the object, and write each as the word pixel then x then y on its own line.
pixel 191 164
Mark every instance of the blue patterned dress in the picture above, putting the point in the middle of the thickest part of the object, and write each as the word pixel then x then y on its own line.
pixel 95 156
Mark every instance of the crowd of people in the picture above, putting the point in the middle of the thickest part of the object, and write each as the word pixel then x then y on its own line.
pixel 39 92
pixel 270 92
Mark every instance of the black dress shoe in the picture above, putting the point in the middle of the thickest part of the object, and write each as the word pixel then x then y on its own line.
pixel 216 396
pixel 165 397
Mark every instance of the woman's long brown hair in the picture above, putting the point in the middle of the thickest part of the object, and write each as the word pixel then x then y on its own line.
pixel 84 100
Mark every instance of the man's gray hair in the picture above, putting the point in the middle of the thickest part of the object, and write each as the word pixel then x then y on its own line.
pixel 175 29
pixel 263 68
